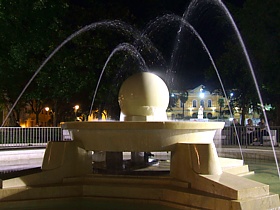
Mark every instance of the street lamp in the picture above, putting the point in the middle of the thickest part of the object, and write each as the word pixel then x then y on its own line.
pixel 47 110
pixel 76 107
pixel 52 113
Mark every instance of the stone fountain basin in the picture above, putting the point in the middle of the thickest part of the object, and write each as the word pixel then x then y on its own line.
pixel 119 136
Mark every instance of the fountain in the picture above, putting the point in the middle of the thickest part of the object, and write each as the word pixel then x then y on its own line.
pixel 198 178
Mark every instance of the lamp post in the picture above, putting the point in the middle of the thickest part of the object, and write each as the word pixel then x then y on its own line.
pixel 76 107
pixel 47 110
pixel 53 115
pixel 183 98
pixel 221 103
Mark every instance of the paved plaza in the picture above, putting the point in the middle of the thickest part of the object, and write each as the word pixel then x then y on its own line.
pixel 21 159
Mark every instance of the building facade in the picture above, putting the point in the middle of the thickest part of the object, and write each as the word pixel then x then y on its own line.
pixel 213 104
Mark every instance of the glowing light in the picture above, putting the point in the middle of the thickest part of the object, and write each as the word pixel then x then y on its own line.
pixel 76 107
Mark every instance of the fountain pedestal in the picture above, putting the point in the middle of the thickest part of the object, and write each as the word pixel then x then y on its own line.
pixel 194 160
pixel 143 97
pixel 191 143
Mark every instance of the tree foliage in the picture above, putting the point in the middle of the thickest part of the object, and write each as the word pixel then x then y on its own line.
pixel 259 27
pixel 23 43
pixel 260 24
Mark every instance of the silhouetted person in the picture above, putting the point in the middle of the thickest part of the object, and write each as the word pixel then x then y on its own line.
pixel 250 131
pixel 235 125
pixel 262 131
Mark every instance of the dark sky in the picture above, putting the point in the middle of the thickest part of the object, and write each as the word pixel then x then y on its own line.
pixel 191 61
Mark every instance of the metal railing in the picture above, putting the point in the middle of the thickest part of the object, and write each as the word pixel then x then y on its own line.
pixel 230 136
pixel 26 137
pixel 40 136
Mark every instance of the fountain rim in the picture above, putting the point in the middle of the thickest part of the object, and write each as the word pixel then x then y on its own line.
pixel 139 125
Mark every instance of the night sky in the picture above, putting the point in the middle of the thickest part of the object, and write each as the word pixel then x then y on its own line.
pixel 190 62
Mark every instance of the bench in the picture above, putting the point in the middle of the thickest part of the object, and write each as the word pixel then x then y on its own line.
pixel 266 139
pixel 66 135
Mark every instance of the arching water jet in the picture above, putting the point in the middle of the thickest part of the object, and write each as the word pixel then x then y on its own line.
pixel 220 4
pixel 167 19
pixel 118 25
pixel 194 167
pixel 122 47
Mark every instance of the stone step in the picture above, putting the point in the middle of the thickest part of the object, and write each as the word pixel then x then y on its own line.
pixel 232 187
pixel 239 170
pixel 157 190
pixel 170 192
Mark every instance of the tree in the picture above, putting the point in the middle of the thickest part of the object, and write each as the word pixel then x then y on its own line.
pixel 262 29
pixel 183 98
pixel 221 103
pixel 260 32
pixel 23 42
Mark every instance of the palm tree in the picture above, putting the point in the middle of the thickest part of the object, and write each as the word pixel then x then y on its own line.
pixel 221 103
pixel 183 98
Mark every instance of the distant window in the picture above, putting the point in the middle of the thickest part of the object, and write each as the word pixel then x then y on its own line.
pixel 202 103
pixel 194 103
pixel 209 103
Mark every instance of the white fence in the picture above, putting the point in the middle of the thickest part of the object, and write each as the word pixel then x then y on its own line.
pixel 39 136
pixel 26 137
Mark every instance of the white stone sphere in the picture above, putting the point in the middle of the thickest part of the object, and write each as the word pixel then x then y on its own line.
pixel 144 94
